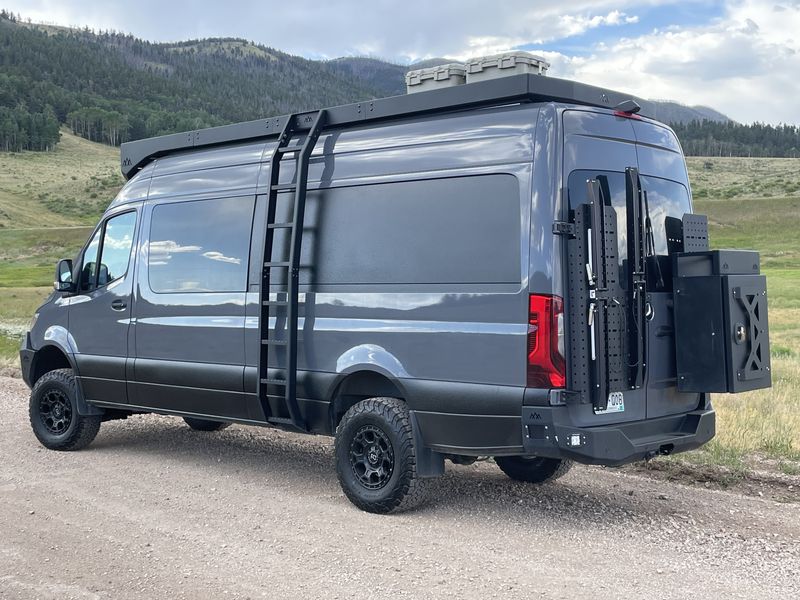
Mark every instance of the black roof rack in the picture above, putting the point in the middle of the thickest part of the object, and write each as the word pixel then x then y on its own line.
pixel 495 92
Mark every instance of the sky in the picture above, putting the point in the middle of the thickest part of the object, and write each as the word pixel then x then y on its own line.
pixel 741 57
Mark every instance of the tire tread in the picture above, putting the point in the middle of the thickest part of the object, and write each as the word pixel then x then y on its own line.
pixel 86 427
pixel 412 492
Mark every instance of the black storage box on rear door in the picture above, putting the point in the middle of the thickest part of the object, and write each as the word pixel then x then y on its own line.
pixel 721 331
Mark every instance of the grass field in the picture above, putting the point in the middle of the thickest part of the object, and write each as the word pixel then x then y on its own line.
pixel 49 202
pixel 755 203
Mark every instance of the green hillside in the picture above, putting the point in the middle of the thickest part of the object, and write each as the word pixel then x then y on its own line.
pixel 111 87
pixel 49 203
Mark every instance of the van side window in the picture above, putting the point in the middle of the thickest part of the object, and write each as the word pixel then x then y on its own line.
pixel 115 251
pixel 455 230
pixel 200 246
pixel 113 243
pixel 89 265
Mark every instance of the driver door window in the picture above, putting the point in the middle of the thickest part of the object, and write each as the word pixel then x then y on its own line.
pixel 112 243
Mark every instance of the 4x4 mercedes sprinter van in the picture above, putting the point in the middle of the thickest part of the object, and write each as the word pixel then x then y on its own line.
pixel 506 268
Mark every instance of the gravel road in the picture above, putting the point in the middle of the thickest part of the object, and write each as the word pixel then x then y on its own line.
pixel 155 510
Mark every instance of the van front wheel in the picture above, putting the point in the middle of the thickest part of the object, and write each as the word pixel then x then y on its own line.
pixel 53 411
pixel 375 456
pixel 533 469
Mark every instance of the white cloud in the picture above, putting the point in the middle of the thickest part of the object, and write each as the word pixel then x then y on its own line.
pixel 745 65
pixel 537 27
pixel 409 29
pixel 161 251
pixel 220 257
pixel 577 24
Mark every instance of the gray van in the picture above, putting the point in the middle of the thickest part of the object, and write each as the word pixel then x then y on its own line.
pixel 508 269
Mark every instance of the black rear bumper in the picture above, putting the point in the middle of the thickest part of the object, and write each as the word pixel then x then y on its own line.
pixel 483 420
pixel 545 435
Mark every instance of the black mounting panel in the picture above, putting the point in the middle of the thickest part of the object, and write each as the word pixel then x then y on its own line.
pixel 496 92
pixel 721 322
pixel 695 233
pixel 689 234
pixel 611 325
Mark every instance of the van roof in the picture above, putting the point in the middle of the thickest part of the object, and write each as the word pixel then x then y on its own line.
pixel 515 89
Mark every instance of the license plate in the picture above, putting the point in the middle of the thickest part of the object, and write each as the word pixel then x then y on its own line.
pixel 616 404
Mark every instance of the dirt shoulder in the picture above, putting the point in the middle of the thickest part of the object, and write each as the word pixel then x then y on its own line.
pixel 762 479
pixel 154 510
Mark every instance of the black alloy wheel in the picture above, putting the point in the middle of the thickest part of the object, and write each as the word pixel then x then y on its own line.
pixel 55 411
pixel 372 457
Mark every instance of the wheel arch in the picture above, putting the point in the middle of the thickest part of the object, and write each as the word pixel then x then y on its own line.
pixel 359 384
pixel 51 357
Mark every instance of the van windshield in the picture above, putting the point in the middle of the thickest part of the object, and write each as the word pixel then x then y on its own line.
pixel 666 198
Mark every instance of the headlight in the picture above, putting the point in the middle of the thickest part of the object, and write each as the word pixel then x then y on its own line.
pixel 33 321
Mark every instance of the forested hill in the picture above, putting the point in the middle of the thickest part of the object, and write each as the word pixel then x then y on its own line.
pixel 111 88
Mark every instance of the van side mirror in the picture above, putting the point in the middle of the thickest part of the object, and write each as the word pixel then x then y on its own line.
pixel 63 281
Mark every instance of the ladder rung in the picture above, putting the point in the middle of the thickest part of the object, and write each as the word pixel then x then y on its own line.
pixel 269 342
pixel 283 186
pixel 288 149
pixel 273 381
pixel 271 264
pixel 288 225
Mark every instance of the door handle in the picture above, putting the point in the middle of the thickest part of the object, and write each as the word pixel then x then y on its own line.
pixel 119 305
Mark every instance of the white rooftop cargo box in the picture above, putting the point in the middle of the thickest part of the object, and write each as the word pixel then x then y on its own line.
pixel 422 80
pixel 503 65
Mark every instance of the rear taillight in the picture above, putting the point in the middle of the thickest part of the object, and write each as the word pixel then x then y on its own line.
pixel 546 364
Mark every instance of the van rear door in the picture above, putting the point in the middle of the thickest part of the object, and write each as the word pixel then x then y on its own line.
pixel 620 337
pixel 665 182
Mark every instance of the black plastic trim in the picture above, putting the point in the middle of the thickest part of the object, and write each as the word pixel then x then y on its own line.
pixel 462 398
pixel 26 354
pixel 184 399
pixel 190 374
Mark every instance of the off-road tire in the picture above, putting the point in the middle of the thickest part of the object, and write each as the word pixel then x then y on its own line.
pixel 62 428
pixel 385 420
pixel 533 469
pixel 205 424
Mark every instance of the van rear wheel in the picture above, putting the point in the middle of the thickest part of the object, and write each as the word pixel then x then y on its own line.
pixel 53 412
pixel 375 457
pixel 533 469
pixel 205 424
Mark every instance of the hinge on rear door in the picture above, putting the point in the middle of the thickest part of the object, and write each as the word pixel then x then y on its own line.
pixel 564 228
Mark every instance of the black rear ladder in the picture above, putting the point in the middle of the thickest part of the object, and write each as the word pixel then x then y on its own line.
pixel 282 382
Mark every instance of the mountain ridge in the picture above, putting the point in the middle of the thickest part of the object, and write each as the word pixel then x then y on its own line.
pixel 113 87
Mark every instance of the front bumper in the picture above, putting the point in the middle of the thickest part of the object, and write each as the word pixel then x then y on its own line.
pixel 544 434
pixel 26 353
